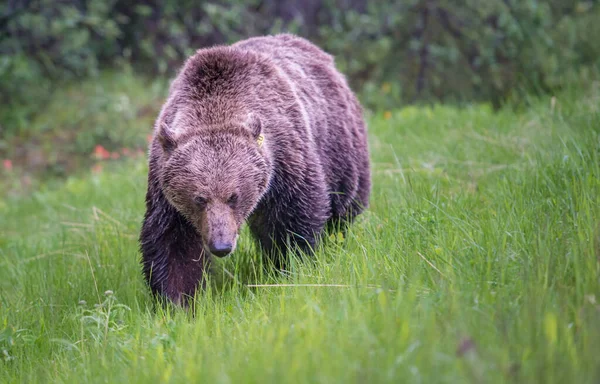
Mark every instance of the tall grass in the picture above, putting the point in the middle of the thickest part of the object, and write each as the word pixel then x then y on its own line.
pixel 478 261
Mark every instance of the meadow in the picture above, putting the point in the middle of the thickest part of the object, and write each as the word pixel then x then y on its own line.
pixel 478 261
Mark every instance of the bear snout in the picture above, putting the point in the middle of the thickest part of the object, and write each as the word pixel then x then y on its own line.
pixel 219 230
pixel 220 249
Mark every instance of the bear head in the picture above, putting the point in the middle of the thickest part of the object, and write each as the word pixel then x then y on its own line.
pixel 215 176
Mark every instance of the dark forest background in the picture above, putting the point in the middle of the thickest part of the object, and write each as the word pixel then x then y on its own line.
pixel 393 52
pixel 427 49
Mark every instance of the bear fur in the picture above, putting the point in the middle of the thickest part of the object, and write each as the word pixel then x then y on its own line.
pixel 265 131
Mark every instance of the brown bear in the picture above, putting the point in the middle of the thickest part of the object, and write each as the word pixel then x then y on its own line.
pixel 265 131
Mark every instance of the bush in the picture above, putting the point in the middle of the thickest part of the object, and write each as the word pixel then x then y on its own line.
pixel 392 51
pixel 45 40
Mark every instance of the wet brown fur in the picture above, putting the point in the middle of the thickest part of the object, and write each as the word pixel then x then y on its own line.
pixel 208 173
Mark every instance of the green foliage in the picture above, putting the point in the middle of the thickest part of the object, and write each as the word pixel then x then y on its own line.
pixel 45 39
pixel 441 50
pixel 114 111
pixel 424 50
pixel 477 261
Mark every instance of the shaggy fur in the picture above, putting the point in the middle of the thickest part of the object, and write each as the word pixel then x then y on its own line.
pixel 264 131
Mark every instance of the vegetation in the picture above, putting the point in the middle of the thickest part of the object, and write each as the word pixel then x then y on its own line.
pixel 67 67
pixel 478 261
pixel 421 50
pixel 113 112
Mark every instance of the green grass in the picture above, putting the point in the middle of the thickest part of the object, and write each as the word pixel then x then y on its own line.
pixel 478 261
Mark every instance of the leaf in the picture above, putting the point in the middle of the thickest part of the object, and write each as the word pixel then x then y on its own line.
pixel 551 328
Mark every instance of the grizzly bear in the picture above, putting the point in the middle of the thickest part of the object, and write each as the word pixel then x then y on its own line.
pixel 265 131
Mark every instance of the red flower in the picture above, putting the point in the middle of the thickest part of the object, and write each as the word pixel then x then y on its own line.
pixel 8 165
pixel 101 153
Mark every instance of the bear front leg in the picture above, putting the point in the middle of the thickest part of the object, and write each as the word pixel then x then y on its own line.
pixel 282 224
pixel 173 258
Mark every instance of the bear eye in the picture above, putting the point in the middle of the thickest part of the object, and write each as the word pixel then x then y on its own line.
pixel 200 201
pixel 232 199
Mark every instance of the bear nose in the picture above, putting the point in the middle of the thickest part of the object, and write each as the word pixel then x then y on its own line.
pixel 220 249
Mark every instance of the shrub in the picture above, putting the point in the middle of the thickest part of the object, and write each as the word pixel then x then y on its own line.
pixel 392 51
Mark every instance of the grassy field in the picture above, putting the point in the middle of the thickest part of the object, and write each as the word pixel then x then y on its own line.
pixel 478 261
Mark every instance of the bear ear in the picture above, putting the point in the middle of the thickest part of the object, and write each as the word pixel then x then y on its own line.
pixel 254 125
pixel 166 139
